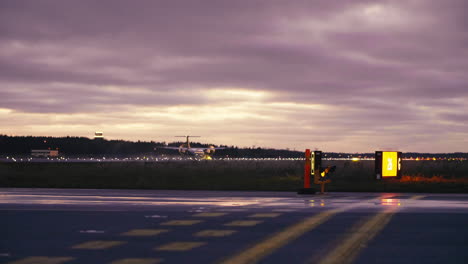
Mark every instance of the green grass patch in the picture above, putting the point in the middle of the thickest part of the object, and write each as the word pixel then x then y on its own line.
pixel 419 176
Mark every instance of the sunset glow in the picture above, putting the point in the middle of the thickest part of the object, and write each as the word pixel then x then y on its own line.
pixel 347 76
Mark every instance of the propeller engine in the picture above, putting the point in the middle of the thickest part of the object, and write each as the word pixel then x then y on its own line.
pixel 210 150
pixel 183 149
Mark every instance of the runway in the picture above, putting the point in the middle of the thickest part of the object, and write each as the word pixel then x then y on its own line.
pixel 154 226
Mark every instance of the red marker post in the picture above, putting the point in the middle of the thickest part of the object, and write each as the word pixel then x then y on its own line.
pixel 307 171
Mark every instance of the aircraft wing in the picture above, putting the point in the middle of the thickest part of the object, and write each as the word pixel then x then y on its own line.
pixel 170 148
pixel 206 148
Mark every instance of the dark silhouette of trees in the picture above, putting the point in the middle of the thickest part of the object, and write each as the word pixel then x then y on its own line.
pixel 82 146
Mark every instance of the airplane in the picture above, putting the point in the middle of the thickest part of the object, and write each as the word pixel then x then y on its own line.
pixel 199 153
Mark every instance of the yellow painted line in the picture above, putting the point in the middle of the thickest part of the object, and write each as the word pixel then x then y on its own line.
pixel 209 214
pixel 144 232
pixel 98 244
pixel 138 261
pixel 243 223
pixel 267 246
pixel 182 222
pixel 215 233
pixel 265 215
pixel 180 246
pixel 42 260
pixel 350 247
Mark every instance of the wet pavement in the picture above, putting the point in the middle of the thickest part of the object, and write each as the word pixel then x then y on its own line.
pixel 153 226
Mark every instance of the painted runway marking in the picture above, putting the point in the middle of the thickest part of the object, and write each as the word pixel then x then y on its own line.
pixel 362 233
pixel 260 250
pixel 180 246
pixel 144 232
pixel 155 216
pixel 215 233
pixel 98 244
pixel 265 215
pixel 243 223
pixel 138 261
pixel 92 231
pixel 209 214
pixel 182 222
pixel 42 260
pixel 351 246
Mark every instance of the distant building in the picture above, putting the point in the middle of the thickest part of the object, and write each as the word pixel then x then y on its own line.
pixel 44 153
pixel 98 135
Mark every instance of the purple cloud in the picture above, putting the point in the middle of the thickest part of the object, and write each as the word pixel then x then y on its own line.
pixel 358 70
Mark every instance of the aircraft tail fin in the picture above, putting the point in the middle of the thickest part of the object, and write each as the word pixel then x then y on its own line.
pixel 187 142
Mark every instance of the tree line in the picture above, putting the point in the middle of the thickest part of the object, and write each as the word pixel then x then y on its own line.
pixel 82 146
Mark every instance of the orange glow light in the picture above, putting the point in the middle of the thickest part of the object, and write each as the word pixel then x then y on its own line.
pixel 390 202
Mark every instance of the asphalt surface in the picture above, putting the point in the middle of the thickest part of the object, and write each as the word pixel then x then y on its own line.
pixel 152 226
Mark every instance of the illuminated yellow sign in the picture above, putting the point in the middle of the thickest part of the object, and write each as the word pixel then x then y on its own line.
pixel 312 163
pixel 390 164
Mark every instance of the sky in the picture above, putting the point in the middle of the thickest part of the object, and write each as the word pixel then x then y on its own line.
pixel 338 76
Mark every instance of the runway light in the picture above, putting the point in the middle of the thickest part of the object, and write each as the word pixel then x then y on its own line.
pixel 355 159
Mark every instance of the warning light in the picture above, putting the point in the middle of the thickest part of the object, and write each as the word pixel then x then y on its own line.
pixel 387 164
pixel 313 169
pixel 324 172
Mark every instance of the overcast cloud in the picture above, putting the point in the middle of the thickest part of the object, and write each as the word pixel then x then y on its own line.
pixel 347 76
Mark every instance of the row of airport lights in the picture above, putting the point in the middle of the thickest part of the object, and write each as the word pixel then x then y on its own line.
pixel 162 158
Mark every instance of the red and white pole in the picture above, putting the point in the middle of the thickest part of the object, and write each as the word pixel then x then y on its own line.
pixel 307 168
